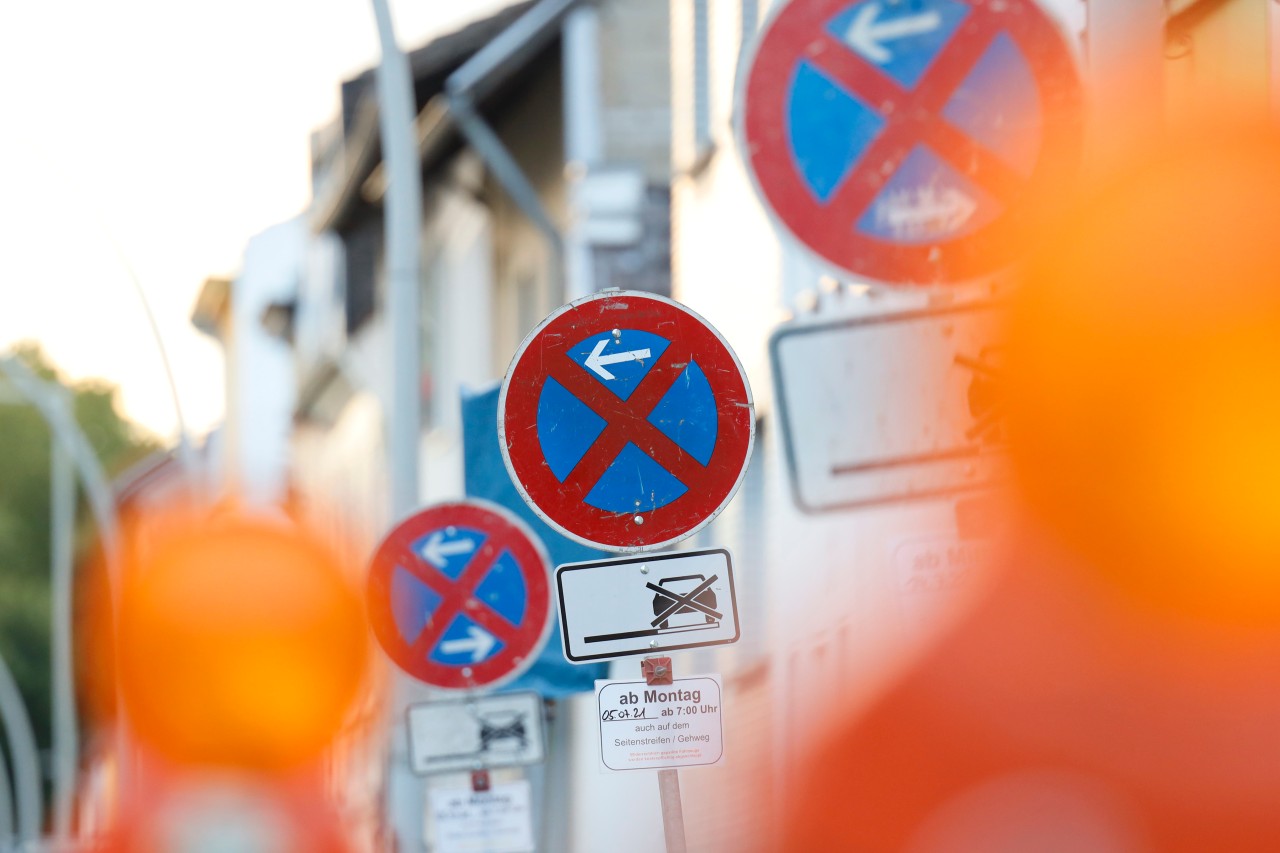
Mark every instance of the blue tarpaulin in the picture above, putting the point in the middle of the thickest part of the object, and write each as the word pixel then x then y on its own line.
pixel 487 478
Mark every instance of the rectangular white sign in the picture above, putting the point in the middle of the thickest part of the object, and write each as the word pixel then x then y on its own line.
pixel 499 820
pixel 892 407
pixel 645 605
pixel 645 727
pixel 475 733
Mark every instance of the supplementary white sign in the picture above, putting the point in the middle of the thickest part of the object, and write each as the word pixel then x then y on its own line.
pixel 499 820
pixel 642 605
pixel 645 727
pixel 889 408
pixel 480 732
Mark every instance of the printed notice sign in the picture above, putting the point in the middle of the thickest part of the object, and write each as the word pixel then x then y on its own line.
pixel 647 727
pixel 495 821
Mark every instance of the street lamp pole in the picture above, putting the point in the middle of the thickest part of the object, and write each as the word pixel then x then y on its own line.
pixel 403 208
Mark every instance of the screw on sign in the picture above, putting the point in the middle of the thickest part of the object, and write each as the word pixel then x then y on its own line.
pixel 626 421
pixel 910 141
pixel 459 595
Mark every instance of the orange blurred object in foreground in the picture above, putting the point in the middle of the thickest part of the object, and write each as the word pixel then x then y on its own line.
pixel 1144 367
pixel 1118 689
pixel 240 644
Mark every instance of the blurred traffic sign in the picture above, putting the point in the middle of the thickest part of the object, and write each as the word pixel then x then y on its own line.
pixel 626 421
pixel 478 732
pixel 926 420
pixel 646 605
pixel 908 141
pixel 458 595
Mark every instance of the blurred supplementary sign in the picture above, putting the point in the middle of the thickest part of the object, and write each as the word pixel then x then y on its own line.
pixel 647 605
pixel 499 820
pixel 907 141
pixel 459 595
pixel 479 732
pixel 889 408
pixel 626 421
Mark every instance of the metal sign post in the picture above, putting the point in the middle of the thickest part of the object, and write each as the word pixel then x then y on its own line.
pixel 657 670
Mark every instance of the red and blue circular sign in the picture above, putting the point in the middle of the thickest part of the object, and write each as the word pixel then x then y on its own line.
pixel 910 141
pixel 626 421
pixel 459 596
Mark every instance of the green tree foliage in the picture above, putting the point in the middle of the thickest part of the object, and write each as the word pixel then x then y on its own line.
pixel 25 532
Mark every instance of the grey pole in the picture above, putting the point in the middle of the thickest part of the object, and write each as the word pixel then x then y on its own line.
pixel 26 761
pixel 67 433
pixel 672 811
pixel 6 806
pixel 66 747
pixel 403 207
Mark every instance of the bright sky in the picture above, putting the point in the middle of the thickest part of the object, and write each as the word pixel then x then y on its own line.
pixel 161 136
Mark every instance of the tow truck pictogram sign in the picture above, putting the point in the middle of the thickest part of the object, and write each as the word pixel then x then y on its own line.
pixel 479 732
pixel 647 605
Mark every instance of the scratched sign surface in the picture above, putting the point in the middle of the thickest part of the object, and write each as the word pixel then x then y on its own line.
pixel 910 141
pixel 626 421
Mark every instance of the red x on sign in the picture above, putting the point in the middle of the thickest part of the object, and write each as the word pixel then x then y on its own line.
pixel 626 421
pixel 459 597
pixel 910 142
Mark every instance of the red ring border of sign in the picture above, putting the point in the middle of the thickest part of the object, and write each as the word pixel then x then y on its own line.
pixel 597 528
pixel 846 253
pixel 530 555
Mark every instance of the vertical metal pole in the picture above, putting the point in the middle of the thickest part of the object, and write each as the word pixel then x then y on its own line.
pixel 65 745
pixel 403 207
pixel 101 503
pixel 6 806
pixel 672 811
pixel 583 138
pixel 657 669
pixel 26 761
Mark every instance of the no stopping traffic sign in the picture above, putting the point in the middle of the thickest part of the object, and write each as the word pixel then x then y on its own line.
pixel 910 141
pixel 459 595
pixel 626 421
